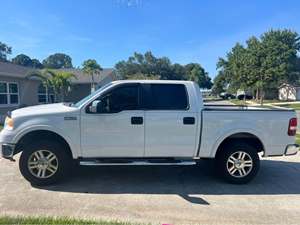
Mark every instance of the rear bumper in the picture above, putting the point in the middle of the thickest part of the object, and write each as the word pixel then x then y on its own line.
pixel 291 149
pixel 7 150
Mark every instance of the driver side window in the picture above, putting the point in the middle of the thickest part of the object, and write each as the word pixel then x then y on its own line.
pixel 117 100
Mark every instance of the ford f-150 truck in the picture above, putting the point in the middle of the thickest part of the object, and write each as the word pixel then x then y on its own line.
pixel 145 123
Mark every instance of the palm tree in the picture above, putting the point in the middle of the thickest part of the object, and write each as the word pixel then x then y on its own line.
pixel 59 81
pixel 91 68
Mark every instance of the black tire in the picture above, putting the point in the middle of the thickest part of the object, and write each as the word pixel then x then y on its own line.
pixel 224 167
pixel 63 162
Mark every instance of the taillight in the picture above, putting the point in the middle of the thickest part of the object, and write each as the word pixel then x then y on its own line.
pixel 292 127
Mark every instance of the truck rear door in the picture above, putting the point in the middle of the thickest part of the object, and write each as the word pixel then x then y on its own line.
pixel 170 125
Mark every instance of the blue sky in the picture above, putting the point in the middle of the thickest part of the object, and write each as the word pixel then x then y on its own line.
pixel 111 30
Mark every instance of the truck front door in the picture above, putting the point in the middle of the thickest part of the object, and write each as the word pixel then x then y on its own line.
pixel 113 124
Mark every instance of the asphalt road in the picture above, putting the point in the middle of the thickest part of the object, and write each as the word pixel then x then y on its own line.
pixel 157 194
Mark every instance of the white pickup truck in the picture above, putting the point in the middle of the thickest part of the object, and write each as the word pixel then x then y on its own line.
pixel 145 123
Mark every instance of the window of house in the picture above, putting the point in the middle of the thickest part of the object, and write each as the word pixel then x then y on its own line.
pixel 9 93
pixel 45 94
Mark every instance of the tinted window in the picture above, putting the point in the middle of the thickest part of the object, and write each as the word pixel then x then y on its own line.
pixel 120 99
pixel 168 97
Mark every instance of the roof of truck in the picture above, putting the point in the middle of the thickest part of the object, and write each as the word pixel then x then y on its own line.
pixel 154 81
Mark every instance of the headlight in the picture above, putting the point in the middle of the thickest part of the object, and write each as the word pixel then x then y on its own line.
pixel 9 123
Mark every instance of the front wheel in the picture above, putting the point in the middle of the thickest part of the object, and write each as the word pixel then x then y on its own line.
pixel 238 163
pixel 44 162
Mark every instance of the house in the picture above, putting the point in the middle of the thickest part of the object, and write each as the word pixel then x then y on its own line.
pixel 81 85
pixel 289 92
pixel 17 90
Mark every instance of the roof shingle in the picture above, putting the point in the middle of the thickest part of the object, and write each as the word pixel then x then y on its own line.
pixel 11 70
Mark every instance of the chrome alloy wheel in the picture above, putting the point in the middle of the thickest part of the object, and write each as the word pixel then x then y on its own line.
pixel 239 164
pixel 42 164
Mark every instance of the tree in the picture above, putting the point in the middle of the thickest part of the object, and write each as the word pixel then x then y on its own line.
pixel 253 65
pixel 59 81
pixel 58 61
pixel 25 60
pixel 264 63
pixel 233 69
pixel 91 68
pixel 22 60
pixel 220 84
pixel 37 64
pixel 4 51
pixel 295 77
pixel 147 66
pixel 278 64
pixel 196 73
pixel 139 76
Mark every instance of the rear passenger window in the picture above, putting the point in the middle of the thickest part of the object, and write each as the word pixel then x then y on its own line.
pixel 168 97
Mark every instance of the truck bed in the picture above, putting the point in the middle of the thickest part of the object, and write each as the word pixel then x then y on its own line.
pixel 243 108
pixel 270 125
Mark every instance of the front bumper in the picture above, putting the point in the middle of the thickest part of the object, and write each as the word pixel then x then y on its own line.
pixel 291 149
pixel 7 151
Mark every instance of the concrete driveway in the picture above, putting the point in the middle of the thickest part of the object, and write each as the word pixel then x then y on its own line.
pixel 157 194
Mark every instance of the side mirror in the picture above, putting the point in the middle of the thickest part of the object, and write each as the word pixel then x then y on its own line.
pixel 93 108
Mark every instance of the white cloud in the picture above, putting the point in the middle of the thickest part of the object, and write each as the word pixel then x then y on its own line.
pixel 129 3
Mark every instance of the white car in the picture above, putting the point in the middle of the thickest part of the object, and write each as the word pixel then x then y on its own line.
pixel 145 123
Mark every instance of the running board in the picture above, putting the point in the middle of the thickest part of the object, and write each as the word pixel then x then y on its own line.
pixel 136 163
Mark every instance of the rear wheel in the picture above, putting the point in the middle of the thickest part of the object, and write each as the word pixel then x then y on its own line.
pixel 45 162
pixel 238 163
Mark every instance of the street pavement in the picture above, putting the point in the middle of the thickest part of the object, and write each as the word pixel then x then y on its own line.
pixel 159 194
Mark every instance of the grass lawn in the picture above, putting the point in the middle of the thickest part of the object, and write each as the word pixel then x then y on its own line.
pixel 50 220
pixel 295 106
pixel 298 138
pixel 267 101
pixel 238 102
pixel 257 102
pixel 242 102
pixel 211 99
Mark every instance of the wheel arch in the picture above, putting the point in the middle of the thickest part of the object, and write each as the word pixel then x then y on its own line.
pixel 40 134
pixel 245 137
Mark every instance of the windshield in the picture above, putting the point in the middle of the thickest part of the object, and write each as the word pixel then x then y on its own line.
pixel 82 101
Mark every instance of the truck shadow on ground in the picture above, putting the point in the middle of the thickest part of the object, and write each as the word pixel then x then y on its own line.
pixel 274 178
